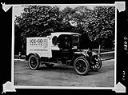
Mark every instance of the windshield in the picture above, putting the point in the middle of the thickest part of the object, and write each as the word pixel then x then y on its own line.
pixel 68 41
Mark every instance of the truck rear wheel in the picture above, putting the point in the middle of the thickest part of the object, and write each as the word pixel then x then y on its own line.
pixel 34 62
pixel 81 65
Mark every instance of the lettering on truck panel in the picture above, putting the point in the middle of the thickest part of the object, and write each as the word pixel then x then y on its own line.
pixel 39 42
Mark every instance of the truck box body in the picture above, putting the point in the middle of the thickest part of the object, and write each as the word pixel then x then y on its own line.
pixel 40 46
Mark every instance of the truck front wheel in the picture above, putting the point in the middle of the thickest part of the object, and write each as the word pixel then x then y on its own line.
pixel 34 62
pixel 96 63
pixel 81 65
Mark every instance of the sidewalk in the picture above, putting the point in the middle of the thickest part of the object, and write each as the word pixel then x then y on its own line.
pixel 107 55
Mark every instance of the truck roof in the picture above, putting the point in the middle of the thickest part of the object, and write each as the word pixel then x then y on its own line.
pixel 59 33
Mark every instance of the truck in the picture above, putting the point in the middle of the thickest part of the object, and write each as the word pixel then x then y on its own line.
pixel 61 47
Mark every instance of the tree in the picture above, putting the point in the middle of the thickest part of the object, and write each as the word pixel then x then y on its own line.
pixel 103 28
pixel 36 19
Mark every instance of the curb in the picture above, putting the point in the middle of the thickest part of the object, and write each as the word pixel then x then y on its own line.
pixel 108 52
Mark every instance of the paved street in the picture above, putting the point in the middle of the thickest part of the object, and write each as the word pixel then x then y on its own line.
pixel 62 75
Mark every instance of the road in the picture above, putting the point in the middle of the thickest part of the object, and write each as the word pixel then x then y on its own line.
pixel 62 75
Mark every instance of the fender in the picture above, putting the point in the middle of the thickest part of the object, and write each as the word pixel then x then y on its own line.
pixel 82 53
pixel 79 53
pixel 27 57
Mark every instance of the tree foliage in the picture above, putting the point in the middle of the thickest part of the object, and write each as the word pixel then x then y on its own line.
pixel 98 24
pixel 35 20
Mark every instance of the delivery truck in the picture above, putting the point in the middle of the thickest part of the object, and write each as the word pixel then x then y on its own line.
pixel 61 47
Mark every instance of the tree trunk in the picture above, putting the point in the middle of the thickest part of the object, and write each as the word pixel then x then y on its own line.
pixel 99 49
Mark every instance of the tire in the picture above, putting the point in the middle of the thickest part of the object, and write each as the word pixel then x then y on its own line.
pixel 34 62
pixel 81 65
pixel 97 64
